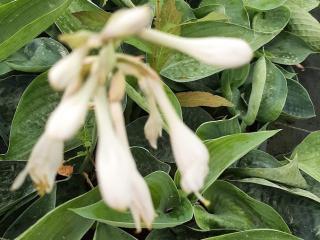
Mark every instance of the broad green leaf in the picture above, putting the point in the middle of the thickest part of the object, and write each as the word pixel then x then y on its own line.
pixel 182 68
pixel 136 138
pixel 12 88
pixel 22 20
pixel 307 5
pixel 33 213
pixel 258 159
pixel 36 103
pixel 264 5
pixel 271 21
pixel 274 94
pixel 194 117
pixel 262 234
pixel 92 20
pixel 300 213
pixel 287 49
pixel 68 22
pixel 107 232
pixel 37 56
pixel 203 11
pixel 146 163
pixel 8 172
pixel 61 223
pixel 288 174
pixel 219 128
pixel 237 146
pixel 298 103
pixel 258 83
pixel 308 155
pixel 231 208
pixel 296 191
pixel 4 68
pixel 172 209
pixel 305 26
pixel 234 9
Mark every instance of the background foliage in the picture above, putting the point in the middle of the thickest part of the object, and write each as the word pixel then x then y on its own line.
pixel 263 184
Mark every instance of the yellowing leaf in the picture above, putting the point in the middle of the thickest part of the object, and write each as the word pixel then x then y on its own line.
pixel 203 99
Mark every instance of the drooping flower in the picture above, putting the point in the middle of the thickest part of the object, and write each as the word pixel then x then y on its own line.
pixel 218 51
pixel 43 164
pixel 190 153
pixel 127 22
pixel 68 70
pixel 121 185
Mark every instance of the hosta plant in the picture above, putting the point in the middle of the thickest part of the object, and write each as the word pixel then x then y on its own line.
pixel 157 120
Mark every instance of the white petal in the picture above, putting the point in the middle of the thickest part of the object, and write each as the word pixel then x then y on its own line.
pixel 68 70
pixel 113 170
pixel 191 155
pixel 218 51
pixel 153 126
pixel 70 115
pixel 142 205
pixel 43 164
pixel 127 22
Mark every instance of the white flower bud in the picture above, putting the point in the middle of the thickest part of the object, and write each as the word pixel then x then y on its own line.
pixel 67 70
pixel 217 51
pixel 127 22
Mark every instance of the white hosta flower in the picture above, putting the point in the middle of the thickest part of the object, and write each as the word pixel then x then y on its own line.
pixel 218 51
pixel 121 185
pixel 127 22
pixel 68 70
pixel 190 153
pixel 141 206
pixel 43 164
pixel 70 115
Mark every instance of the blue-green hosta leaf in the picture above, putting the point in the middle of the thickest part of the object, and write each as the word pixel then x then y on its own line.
pixel 219 128
pixel 271 21
pixel 262 234
pixel 300 213
pixel 195 116
pixel 305 26
pixel 203 11
pixel 4 68
pixel 234 9
pixel 287 49
pixel 172 209
pixel 308 155
pixel 61 223
pixel 36 103
pixel 258 159
pixel 224 151
pixel 288 174
pixel 231 208
pixel 108 232
pixel 29 217
pixel 146 162
pixel 8 172
pixel 307 5
pixel 22 20
pixel 274 94
pixel 68 22
pixel 37 56
pixel 263 5
pixel 298 103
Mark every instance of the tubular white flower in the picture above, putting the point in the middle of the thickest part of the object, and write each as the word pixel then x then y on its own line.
pixel 127 22
pixel 68 70
pixel 121 184
pixel 70 115
pixel 43 164
pixel 142 205
pixel 112 163
pixel 190 153
pixel 218 51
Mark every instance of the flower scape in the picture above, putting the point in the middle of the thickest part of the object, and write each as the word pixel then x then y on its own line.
pixel 94 75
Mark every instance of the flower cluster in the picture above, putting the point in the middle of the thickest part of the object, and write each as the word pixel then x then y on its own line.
pixel 100 79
